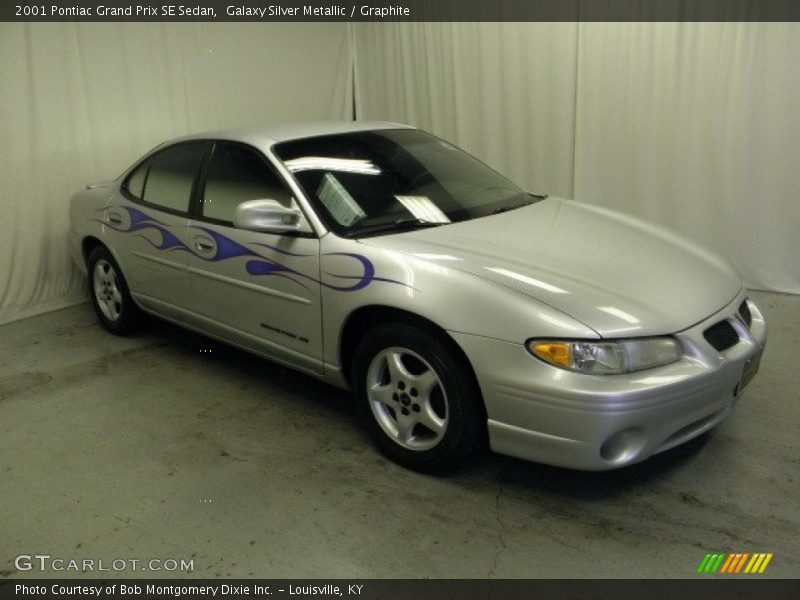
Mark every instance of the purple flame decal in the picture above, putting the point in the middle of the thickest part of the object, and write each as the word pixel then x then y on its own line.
pixel 227 248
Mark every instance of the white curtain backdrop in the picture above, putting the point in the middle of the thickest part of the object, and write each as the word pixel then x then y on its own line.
pixel 503 91
pixel 693 125
pixel 79 102
pixel 697 126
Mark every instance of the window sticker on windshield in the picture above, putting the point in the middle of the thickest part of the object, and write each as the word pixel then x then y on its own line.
pixel 339 203
pixel 423 208
pixel 324 163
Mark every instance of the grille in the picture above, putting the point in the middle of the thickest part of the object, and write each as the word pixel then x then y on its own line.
pixel 721 336
pixel 744 312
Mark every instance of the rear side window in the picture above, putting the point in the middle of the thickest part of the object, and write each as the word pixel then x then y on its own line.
pixel 167 178
pixel 237 174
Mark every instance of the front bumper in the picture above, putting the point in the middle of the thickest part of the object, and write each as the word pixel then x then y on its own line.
pixel 545 414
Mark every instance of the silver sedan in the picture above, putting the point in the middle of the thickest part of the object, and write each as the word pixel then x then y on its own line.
pixel 456 306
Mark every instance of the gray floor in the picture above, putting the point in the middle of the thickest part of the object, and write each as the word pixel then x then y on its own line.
pixel 168 445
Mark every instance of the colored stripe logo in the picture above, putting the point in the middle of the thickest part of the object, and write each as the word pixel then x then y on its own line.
pixel 734 563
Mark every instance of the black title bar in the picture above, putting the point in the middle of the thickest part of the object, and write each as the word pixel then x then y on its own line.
pixel 401 10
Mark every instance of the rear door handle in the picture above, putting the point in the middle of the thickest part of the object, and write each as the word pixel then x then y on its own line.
pixel 114 219
pixel 204 244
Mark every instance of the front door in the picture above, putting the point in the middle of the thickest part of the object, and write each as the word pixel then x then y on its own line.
pixel 257 289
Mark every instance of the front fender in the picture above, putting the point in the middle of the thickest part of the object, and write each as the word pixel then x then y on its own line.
pixel 356 275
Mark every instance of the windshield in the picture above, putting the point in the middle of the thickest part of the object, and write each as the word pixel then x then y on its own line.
pixel 371 182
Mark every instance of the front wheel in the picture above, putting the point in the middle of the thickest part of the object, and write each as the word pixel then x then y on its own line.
pixel 417 398
pixel 110 296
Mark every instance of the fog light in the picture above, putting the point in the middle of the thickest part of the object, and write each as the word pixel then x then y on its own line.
pixel 623 446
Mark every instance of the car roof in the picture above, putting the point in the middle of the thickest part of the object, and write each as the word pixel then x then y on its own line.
pixel 265 136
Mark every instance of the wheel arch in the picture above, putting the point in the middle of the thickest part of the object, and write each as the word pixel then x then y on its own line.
pixel 364 318
pixel 89 243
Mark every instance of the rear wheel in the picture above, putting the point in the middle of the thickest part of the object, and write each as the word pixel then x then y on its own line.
pixel 418 400
pixel 110 296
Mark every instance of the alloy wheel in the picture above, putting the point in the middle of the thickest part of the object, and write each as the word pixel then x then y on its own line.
pixel 106 290
pixel 407 398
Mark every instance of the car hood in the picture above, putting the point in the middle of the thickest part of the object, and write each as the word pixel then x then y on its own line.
pixel 616 274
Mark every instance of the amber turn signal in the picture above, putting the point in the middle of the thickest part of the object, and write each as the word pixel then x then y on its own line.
pixel 556 353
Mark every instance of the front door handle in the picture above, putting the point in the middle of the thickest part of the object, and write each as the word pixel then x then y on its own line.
pixel 114 219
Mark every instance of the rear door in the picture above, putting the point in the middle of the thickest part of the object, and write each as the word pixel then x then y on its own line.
pixel 258 289
pixel 148 229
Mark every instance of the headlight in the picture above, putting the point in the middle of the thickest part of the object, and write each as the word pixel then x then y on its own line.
pixel 606 358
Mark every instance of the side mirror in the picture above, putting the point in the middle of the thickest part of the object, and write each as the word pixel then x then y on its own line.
pixel 268 215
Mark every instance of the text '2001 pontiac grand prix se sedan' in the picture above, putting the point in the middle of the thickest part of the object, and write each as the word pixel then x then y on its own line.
pixel 454 304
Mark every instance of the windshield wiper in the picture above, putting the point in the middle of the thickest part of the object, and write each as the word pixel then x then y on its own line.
pixel 400 225
pixel 536 198
pixel 512 207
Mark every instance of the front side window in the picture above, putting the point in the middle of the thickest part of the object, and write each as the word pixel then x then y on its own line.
pixel 237 174
pixel 166 179
pixel 371 182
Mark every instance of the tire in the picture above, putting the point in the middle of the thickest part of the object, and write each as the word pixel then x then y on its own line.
pixel 111 298
pixel 418 400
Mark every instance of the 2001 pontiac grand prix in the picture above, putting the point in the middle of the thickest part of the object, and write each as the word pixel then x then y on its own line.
pixel 454 304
